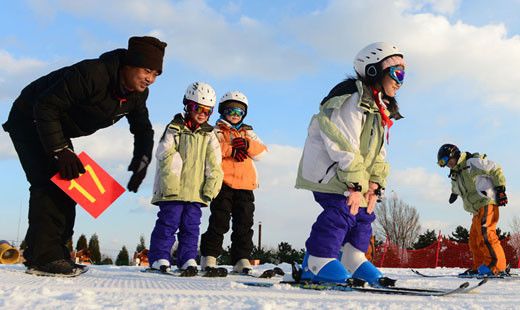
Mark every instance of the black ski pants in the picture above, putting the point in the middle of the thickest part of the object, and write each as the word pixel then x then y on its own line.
pixel 236 205
pixel 51 212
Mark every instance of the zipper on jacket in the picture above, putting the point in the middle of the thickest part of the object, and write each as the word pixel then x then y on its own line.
pixel 326 172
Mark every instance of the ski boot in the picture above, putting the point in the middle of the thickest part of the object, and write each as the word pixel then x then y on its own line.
pixel 208 264
pixel 321 269
pixel 369 273
pixel 469 273
pixel 189 268
pixel 355 261
pixel 243 266
pixel 162 265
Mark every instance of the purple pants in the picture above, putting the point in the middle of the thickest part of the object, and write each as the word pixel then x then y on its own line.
pixel 336 226
pixel 173 215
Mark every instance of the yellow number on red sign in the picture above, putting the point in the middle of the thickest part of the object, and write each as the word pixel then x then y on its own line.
pixel 83 191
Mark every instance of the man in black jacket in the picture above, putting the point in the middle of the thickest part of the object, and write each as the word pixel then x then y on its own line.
pixel 72 102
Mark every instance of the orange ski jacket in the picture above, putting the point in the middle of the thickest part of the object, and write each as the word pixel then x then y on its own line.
pixel 239 175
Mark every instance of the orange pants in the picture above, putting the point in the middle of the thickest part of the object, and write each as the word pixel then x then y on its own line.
pixel 371 251
pixel 483 240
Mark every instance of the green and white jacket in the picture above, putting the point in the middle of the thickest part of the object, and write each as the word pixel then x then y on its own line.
pixel 474 178
pixel 344 145
pixel 188 164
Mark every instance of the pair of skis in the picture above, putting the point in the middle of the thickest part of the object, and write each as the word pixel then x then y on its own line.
pixel 506 276
pixel 217 272
pixel 391 290
pixel 385 286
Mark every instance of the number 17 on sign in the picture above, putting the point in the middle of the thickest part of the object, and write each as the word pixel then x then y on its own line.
pixel 94 191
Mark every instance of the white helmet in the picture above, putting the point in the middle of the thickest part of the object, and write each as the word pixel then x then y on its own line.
pixel 201 93
pixel 235 96
pixel 367 60
pixel 231 99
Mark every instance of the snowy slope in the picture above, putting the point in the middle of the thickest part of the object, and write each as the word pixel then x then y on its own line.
pixel 110 287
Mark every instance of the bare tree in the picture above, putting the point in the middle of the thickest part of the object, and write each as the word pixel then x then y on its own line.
pixel 398 221
pixel 514 241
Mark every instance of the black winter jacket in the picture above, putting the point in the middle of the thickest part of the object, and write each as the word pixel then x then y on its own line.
pixel 78 100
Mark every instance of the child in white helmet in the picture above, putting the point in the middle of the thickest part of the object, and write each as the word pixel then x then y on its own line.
pixel 343 164
pixel 240 146
pixel 188 176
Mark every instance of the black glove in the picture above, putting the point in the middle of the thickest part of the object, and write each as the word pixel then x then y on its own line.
pixel 239 154
pixel 453 197
pixel 69 165
pixel 501 195
pixel 138 166
pixel 240 143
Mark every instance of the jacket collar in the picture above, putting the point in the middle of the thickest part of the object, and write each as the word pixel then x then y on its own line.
pixel 178 121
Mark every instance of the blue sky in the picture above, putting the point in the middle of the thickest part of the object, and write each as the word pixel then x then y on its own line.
pixel 461 87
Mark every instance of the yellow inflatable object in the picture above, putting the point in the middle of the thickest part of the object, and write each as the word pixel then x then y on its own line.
pixel 8 253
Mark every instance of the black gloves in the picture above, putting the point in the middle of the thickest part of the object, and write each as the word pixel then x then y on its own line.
pixel 240 143
pixel 240 146
pixel 453 197
pixel 69 165
pixel 501 195
pixel 138 166
pixel 239 154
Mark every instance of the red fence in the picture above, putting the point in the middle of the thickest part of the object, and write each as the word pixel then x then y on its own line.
pixel 443 253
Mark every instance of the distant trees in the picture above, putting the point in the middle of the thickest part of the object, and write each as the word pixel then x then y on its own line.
pixel 284 253
pixel 142 245
pixel 426 239
pixel 93 248
pixel 82 243
pixel 122 258
pixel 460 234
pixel 397 221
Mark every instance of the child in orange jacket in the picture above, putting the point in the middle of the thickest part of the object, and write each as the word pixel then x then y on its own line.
pixel 240 146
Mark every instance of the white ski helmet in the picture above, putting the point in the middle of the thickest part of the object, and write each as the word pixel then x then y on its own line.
pixel 201 93
pixel 368 61
pixel 233 99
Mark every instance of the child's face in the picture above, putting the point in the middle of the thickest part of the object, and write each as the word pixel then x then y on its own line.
pixel 390 80
pixel 452 163
pixel 234 115
pixel 199 113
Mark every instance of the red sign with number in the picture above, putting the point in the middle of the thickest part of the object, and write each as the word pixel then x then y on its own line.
pixel 95 190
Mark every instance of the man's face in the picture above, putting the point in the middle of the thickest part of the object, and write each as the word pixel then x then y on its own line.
pixel 137 79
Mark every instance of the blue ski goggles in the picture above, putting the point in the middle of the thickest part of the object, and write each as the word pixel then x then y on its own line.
pixel 397 74
pixel 443 161
pixel 234 112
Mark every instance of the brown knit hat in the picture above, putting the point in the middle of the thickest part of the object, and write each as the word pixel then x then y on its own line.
pixel 145 52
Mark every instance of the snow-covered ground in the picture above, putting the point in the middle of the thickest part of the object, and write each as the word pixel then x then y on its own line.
pixel 111 287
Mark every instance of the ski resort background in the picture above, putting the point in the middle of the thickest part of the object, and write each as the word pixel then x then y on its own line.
pixel 441 253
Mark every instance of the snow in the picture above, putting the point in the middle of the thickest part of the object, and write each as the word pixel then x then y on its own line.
pixel 113 287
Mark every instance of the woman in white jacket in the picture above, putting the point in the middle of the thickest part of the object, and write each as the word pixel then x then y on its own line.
pixel 343 164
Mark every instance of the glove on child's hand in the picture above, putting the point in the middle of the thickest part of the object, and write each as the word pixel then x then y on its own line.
pixel 239 154
pixel 240 143
pixel 501 195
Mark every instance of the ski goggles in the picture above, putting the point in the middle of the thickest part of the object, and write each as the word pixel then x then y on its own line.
pixel 199 108
pixel 443 161
pixel 234 112
pixel 397 74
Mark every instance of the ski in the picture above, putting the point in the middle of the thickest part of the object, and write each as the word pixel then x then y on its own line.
pixel 213 273
pixel 266 274
pixel 462 288
pixel 504 276
pixel 77 272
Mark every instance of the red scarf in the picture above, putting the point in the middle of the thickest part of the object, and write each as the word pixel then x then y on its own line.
pixel 191 124
pixel 385 120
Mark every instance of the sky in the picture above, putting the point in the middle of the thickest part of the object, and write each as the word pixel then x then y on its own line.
pixel 461 87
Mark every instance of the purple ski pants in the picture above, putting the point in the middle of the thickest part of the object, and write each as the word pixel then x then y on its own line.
pixel 173 216
pixel 336 226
